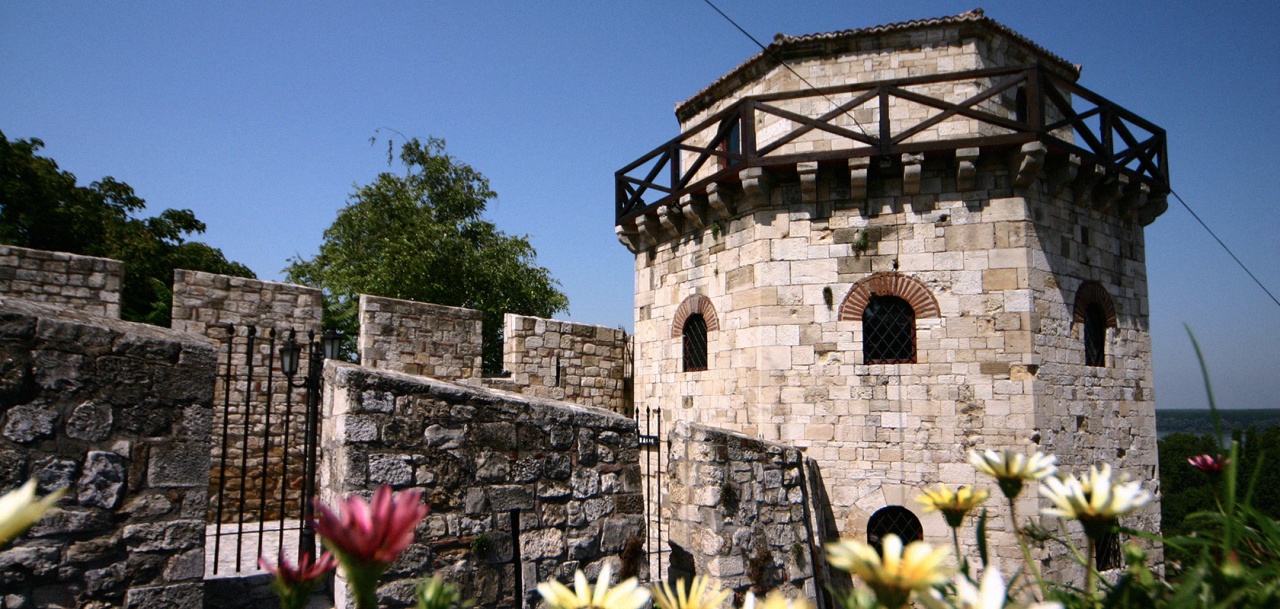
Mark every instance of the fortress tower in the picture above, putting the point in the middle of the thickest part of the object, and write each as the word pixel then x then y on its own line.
pixel 934 244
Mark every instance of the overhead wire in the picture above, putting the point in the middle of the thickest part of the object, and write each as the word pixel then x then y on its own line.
pixel 1224 247
pixel 784 64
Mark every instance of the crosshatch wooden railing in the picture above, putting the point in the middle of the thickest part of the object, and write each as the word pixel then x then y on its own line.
pixel 1048 108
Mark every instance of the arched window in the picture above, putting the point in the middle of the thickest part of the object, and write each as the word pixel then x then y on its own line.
pixel 888 305
pixel 1095 312
pixel 694 339
pixel 694 319
pixel 894 519
pixel 888 331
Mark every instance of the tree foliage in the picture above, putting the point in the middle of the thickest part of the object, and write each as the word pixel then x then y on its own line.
pixel 422 236
pixel 42 207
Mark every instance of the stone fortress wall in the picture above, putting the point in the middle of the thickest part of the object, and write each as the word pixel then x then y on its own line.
pixel 420 339
pixel 119 414
pixel 83 283
pixel 562 360
pixel 741 512
pixel 521 489
pixel 991 249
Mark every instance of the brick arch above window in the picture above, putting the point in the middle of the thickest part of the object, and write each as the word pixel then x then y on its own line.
pixel 695 304
pixel 907 288
pixel 1092 292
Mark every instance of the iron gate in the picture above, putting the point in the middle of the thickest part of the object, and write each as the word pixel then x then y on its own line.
pixel 265 449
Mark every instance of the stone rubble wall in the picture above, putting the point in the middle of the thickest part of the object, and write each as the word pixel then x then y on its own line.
pixel 739 507
pixel 421 339
pixel 566 476
pixel 204 304
pixel 83 283
pixel 119 414
pixel 562 360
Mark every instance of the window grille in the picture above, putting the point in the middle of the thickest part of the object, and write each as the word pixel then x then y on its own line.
pixel 888 331
pixel 895 520
pixel 1095 336
pixel 694 336
pixel 1106 554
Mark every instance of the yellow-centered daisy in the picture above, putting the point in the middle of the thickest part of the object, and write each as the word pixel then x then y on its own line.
pixel 626 595
pixel 894 572
pixel 953 504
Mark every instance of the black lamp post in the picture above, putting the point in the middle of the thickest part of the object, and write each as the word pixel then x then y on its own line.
pixel 331 342
pixel 290 353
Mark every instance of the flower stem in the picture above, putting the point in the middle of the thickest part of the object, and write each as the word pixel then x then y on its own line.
pixel 955 539
pixel 1089 584
pixel 1026 552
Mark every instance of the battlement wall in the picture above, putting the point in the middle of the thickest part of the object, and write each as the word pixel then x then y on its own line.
pixel 420 339
pixel 82 283
pixel 562 360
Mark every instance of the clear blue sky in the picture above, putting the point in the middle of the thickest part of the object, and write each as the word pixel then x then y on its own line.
pixel 257 117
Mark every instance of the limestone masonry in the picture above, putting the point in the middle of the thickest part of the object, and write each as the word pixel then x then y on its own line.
pixel 83 283
pixel 1000 251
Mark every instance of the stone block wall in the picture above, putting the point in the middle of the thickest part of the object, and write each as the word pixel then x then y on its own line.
pixel 420 339
pixel 205 304
pixel 999 362
pixel 520 489
pixel 562 360
pixel 740 507
pixel 83 283
pixel 119 414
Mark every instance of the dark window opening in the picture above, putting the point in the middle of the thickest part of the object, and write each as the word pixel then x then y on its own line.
pixel 1095 336
pixel 1021 113
pixel 895 520
pixel 888 331
pixel 732 144
pixel 1106 553
pixel 694 334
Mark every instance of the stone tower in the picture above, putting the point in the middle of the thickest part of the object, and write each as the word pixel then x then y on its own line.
pixel 908 241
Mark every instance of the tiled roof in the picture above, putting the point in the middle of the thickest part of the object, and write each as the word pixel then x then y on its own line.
pixel 782 43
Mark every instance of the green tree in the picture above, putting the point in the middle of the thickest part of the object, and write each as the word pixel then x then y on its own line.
pixel 421 236
pixel 42 207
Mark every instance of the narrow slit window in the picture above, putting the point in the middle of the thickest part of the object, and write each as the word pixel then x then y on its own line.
pixel 1095 336
pixel 694 338
pixel 888 331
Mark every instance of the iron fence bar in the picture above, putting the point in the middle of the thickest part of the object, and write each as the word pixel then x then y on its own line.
pixel 266 441
pixel 250 334
pixel 284 457
pixel 658 490
pixel 307 535
pixel 226 434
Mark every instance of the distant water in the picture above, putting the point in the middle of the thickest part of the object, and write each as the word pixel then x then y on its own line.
pixel 1199 422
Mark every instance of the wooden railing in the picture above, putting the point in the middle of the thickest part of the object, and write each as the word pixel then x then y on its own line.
pixel 1048 108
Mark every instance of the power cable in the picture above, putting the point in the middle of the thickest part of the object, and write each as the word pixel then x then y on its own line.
pixel 784 64
pixel 1224 247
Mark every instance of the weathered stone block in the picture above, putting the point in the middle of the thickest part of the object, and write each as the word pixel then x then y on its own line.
pixel 179 464
pixel 102 482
